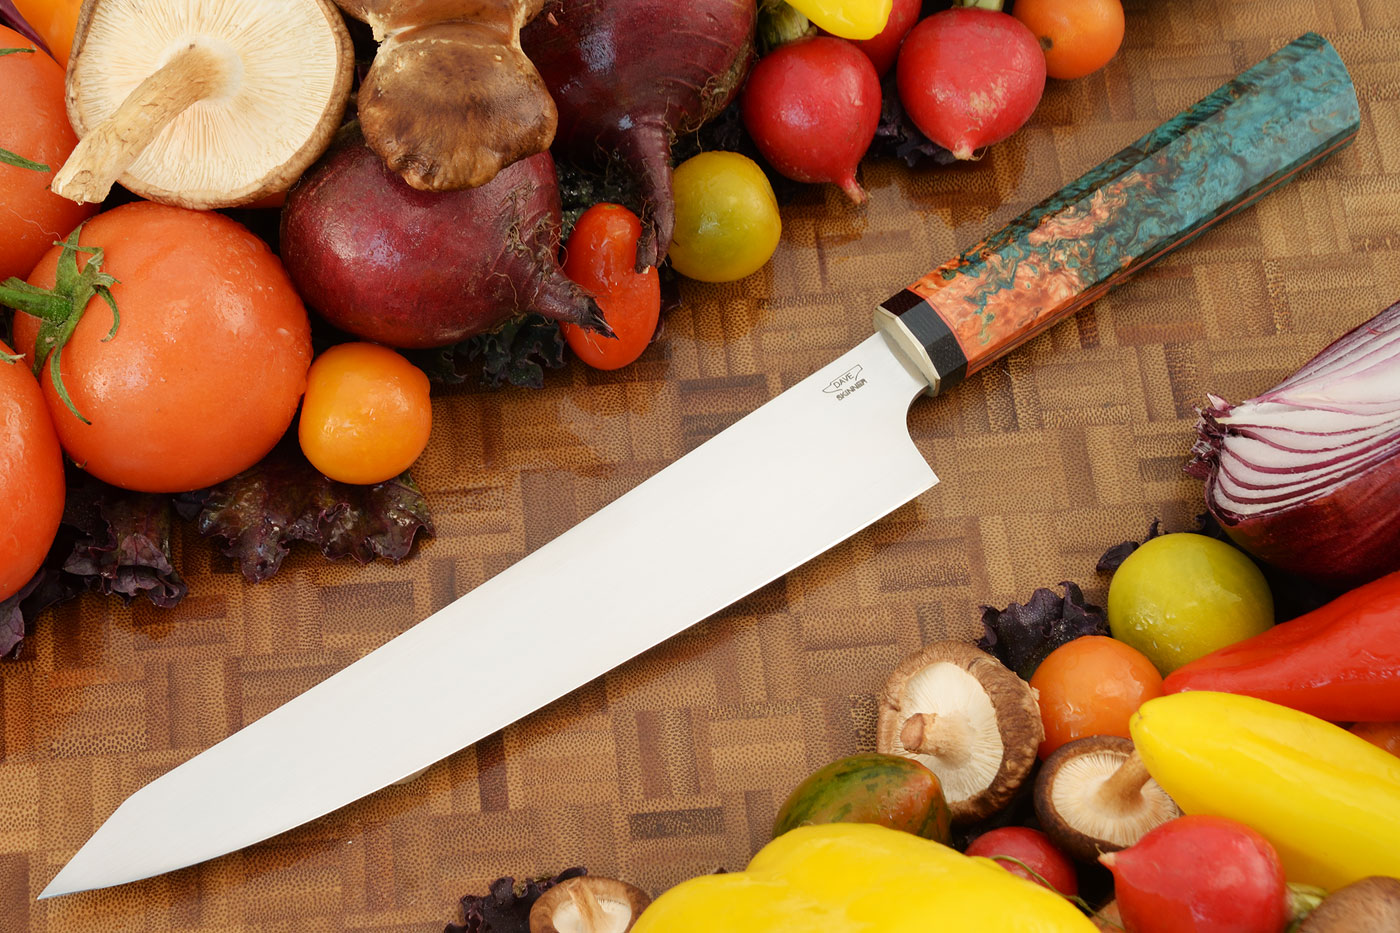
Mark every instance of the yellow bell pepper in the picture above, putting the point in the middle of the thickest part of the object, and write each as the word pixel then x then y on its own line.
pixel 1328 800
pixel 861 878
pixel 849 19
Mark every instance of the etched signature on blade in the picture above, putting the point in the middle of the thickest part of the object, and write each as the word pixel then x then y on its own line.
pixel 846 383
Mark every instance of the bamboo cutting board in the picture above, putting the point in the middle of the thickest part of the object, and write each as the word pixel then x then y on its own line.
pixel 674 764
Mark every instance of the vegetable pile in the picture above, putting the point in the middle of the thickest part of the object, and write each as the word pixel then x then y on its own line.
pixel 504 188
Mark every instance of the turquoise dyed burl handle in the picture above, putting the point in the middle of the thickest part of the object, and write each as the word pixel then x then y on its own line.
pixel 1257 132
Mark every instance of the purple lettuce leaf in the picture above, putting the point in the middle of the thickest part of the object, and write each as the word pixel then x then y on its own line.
pixel 123 542
pixel 1022 636
pixel 506 909
pixel 259 513
pixel 515 354
pixel 110 541
pixel 897 136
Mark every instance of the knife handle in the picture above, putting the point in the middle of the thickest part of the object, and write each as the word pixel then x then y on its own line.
pixel 1251 135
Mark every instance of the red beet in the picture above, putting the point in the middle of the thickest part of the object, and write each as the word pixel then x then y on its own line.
pixel 413 268
pixel 812 107
pixel 628 76
pixel 884 48
pixel 1200 874
pixel 970 78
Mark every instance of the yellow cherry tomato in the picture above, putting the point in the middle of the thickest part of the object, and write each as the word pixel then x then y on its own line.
pixel 727 223
pixel 366 416
pixel 1181 596
pixel 849 19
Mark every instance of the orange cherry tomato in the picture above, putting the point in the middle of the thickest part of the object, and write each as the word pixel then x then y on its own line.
pixel 31 476
pixel 203 375
pixel 601 257
pixel 1090 686
pixel 1384 734
pixel 55 21
pixel 1078 36
pixel 34 129
pixel 366 416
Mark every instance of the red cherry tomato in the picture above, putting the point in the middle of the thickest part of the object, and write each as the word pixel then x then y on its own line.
pixel 601 256
pixel 1035 849
pixel 31 476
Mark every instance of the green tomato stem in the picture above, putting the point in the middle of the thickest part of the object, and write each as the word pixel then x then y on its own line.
pixel 13 51
pixel 995 5
pixel 61 308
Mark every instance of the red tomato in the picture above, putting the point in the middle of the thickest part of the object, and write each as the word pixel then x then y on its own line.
pixel 205 371
pixel 31 476
pixel 601 256
pixel 35 128
pixel 1091 686
pixel 1200 874
pixel 1035 849
pixel 366 416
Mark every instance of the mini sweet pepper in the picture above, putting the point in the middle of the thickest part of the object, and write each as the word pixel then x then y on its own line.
pixel 849 19
pixel 1340 662
pixel 861 878
pixel 1328 800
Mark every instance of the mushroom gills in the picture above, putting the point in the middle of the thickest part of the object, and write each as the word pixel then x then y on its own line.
pixel 203 103
pixel 961 743
pixel 1095 795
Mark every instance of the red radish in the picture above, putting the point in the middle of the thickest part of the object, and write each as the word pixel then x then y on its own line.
pixel 1035 849
pixel 413 268
pixel 884 48
pixel 629 76
pixel 812 107
pixel 970 78
pixel 1200 874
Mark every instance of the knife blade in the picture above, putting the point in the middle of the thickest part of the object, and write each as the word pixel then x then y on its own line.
pixel 813 466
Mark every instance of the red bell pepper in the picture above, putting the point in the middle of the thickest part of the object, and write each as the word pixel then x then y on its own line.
pixel 1340 662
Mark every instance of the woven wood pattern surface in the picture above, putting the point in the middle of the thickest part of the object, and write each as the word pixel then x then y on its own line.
pixel 673 764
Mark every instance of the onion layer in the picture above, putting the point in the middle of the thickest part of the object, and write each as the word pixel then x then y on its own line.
pixel 1307 476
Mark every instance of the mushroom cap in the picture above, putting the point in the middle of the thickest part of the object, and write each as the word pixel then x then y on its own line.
pixel 1071 811
pixel 1371 904
pixel 562 909
pixel 993 709
pixel 289 64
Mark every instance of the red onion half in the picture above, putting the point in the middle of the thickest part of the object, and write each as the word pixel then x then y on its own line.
pixel 1307 476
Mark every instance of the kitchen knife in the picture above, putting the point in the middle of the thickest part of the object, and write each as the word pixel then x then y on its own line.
pixel 807 470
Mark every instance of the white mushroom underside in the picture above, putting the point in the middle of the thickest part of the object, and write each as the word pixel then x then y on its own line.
pixel 949 690
pixel 1075 798
pixel 569 919
pixel 284 67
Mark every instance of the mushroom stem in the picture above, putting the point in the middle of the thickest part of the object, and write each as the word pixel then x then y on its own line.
pixel 941 736
pixel 1124 786
pixel 591 912
pixel 105 154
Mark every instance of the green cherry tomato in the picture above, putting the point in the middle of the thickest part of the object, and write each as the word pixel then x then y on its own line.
pixel 727 223
pixel 601 256
pixel 1181 596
